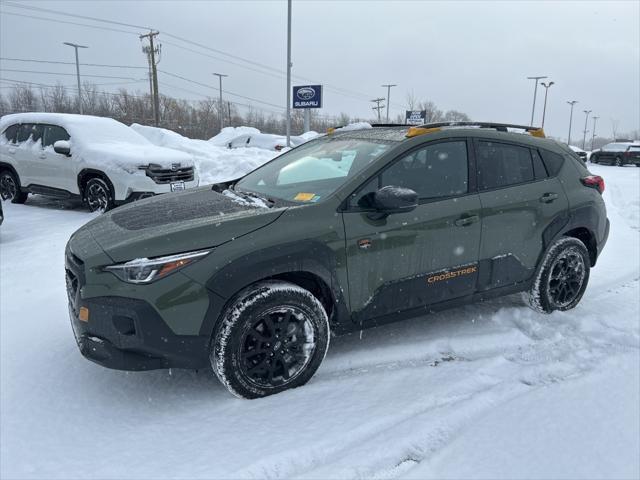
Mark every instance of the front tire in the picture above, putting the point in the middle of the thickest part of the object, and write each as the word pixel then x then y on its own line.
pixel 272 337
pixel 98 195
pixel 562 277
pixel 10 187
pixel 618 162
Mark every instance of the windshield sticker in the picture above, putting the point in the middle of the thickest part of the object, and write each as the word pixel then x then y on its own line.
pixel 304 197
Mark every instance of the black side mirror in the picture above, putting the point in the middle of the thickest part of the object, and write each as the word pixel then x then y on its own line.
pixel 392 199
pixel 62 147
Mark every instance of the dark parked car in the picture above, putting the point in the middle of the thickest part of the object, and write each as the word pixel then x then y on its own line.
pixel 347 231
pixel 618 153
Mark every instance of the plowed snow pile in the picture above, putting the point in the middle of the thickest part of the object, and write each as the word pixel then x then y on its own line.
pixel 493 390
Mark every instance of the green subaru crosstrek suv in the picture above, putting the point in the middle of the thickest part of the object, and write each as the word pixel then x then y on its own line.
pixel 351 230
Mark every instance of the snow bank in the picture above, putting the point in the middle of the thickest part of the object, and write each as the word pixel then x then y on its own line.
pixel 242 137
pixel 213 162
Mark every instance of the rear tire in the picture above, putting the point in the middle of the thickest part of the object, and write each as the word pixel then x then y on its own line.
pixel 10 187
pixel 272 337
pixel 618 162
pixel 562 277
pixel 98 195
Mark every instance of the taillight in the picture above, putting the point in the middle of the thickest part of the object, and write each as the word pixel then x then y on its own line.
pixel 594 181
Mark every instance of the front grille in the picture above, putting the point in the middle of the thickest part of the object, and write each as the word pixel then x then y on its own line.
pixel 74 278
pixel 169 175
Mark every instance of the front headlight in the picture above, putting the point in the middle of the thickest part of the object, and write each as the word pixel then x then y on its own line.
pixel 147 270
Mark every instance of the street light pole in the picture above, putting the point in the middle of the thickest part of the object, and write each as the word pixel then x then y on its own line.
pixel 546 90
pixel 584 136
pixel 76 47
pixel 593 133
pixel 388 95
pixel 572 103
pixel 535 91
pixel 288 73
pixel 220 75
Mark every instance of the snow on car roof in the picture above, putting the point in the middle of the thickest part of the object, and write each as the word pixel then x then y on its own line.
pixel 387 134
pixel 81 128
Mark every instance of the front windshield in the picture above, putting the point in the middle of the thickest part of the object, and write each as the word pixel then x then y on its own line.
pixel 313 171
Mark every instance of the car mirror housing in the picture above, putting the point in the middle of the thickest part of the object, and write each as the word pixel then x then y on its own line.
pixel 62 147
pixel 392 199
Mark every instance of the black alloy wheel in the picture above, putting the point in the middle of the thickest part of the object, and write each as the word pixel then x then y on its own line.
pixel 98 195
pixel 10 188
pixel 277 346
pixel 619 162
pixel 566 278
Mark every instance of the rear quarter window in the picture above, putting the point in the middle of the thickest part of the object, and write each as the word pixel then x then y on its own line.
pixel 10 133
pixel 552 161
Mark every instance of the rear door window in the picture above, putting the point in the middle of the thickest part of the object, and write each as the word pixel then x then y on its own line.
pixel 24 132
pixel 502 164
pixel 53 133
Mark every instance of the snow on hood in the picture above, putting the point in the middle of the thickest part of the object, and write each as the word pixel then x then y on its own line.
pixel 229 133
pixel 252 137
pixel 104 140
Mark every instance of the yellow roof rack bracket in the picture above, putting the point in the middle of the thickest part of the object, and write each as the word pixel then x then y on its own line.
pixel 538 132
pixel 415 131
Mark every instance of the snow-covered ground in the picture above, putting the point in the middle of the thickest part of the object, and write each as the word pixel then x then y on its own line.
pixel 485 391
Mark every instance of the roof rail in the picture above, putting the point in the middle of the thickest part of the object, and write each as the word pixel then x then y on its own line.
pixel 501 127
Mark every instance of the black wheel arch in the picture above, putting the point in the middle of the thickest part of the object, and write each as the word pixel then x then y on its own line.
pixel 8 166
pixel 88 173
pixel 310 265
pixel 580 223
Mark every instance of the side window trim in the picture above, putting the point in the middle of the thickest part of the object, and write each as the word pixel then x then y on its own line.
pixel 347 206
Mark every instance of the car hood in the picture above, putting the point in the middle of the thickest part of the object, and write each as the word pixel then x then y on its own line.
pixel 178 222
pixel 131 156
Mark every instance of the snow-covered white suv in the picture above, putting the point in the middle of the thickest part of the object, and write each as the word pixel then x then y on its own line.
pixel 99 160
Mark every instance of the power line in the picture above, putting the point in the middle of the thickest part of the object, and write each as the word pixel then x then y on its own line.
pixel 214 88
pixel 70 63
pixel 68 22
pixel 64 74
pixel 83 17
pixel 339 90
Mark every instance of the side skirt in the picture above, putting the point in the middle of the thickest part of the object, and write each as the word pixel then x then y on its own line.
pixel 436 307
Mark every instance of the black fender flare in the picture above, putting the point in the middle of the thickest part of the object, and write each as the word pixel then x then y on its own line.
pixel 8 166
pixel 309 259
pixel 82 174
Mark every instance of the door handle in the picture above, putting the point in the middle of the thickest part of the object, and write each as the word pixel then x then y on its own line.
pixel 548 197
pixel 466 221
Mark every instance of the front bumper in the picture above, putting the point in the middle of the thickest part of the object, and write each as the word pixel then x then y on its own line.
pixel 127 334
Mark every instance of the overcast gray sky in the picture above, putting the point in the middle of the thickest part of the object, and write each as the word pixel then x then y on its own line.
pixel 472 56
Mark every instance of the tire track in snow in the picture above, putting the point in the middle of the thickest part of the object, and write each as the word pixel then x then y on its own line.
pixel 559 350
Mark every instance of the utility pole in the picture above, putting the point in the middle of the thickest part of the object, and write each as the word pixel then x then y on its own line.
pixel 288 73
pixel 572 103
pixel 221 105
pixel 535 91
pixel 586 118
pixel 378 107
pixel 388 95
pixel 593 133
pixel 76 47
pixel 151 51
pixel 546 90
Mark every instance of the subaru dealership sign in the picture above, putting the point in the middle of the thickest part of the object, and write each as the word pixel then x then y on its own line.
pixel 416 117
pixel 307 96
